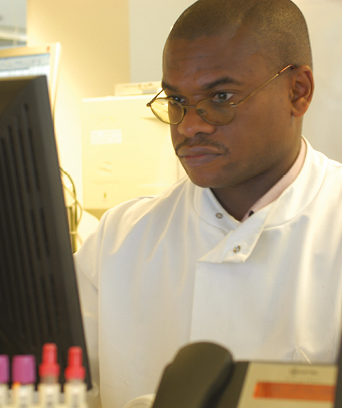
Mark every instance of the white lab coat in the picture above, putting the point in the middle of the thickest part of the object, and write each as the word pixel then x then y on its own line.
pixel 161 272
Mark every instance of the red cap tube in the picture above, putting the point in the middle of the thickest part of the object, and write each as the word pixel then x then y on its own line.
pixel 75 369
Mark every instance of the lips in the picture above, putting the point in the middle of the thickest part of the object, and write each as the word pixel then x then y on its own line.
pixel 198 155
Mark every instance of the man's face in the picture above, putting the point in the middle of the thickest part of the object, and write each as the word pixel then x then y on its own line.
pixel 259 140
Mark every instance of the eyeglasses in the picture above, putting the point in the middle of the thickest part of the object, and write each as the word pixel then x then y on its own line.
pixel 216 112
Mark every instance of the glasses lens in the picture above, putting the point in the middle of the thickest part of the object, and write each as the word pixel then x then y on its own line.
pixel 212 111
pixel 167 111
pixel 216 113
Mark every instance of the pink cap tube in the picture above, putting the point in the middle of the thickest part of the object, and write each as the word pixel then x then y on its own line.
pixel 24 369
pixel 4 369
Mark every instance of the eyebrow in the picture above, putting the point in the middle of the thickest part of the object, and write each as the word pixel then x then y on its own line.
pixel 210 85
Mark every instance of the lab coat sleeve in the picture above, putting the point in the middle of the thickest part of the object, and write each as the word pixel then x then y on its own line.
pixel 88 293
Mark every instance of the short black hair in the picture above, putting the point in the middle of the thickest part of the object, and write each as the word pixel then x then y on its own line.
pixel 278 26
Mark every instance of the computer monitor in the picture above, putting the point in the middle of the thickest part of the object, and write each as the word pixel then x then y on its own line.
pixel 38 289
pixel 32 61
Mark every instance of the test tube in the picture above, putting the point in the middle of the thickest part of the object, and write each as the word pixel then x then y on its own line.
pixel 75 387
pixel 4 379
pixel 23 378
pixel 49 389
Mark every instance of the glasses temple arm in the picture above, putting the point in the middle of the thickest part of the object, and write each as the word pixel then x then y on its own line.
pixel 152 100
pixel 264 84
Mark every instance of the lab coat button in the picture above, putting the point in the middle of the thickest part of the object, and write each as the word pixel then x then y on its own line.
pixel 219 215
pixel 236 249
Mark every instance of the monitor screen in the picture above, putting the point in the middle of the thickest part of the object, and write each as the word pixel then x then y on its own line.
pixel 32 61
pixel 38 290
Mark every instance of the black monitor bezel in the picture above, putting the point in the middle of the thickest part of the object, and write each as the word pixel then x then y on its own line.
pixel 39 296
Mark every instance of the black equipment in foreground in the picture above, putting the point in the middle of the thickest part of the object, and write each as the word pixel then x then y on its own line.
pixel 38 291
pixel 203 375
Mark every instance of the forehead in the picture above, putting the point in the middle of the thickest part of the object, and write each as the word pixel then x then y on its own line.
pixel 204 59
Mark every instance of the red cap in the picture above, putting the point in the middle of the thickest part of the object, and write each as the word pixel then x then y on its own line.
pixel 49 365
pixel 75 369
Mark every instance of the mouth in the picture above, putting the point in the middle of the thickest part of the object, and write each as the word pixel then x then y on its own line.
pixel 200 160
pixel 197 155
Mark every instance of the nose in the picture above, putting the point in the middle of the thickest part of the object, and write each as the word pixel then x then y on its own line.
pixel 192 124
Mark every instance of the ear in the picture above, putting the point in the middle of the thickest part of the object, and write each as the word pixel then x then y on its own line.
pixel 302 90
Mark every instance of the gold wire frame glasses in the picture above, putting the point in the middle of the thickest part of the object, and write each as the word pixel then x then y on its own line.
pixel 214 112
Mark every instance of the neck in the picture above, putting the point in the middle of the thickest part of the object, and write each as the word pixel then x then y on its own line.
pixel 237 200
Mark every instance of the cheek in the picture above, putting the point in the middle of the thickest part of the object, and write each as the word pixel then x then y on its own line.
pixel 175 136
pixel 266 122
pixel 264 137
pixel 278 110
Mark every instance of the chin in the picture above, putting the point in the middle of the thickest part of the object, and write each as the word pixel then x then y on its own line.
pixel 204 182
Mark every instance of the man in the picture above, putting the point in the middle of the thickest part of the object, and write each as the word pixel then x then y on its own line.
pixel 246 252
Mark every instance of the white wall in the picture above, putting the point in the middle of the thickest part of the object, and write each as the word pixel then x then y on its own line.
pixel 323 121
pixel 150 23
pixel 95 55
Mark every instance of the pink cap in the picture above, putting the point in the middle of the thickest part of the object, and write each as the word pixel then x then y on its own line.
pixel 4 369
pixel 24 369
pixel 75 369
pixel 49 365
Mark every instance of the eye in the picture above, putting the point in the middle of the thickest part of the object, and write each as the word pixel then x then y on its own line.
pixel 174 98
pixel 222 96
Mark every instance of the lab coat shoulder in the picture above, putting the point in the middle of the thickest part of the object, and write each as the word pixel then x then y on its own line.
pixel 126 225
pixel 315 193
pixel 331 172
pixel 142 210
pixel 148 216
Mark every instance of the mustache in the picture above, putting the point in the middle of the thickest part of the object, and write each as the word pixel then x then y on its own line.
pixel 200 140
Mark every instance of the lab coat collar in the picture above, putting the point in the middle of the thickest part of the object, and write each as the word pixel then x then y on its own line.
pixel 241 238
